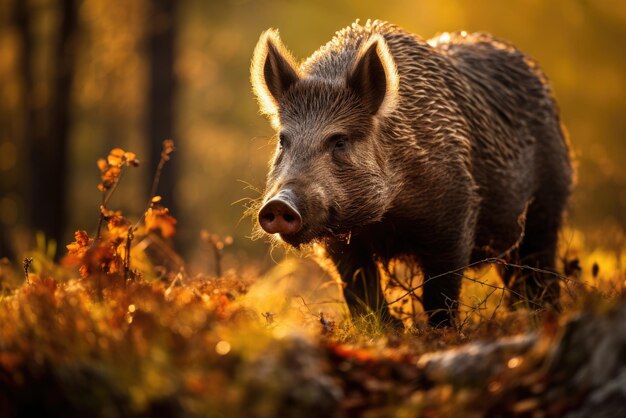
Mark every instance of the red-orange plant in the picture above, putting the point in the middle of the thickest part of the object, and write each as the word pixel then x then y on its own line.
pixel 109 251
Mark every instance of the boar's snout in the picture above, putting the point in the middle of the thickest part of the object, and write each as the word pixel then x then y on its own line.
pixel 280 216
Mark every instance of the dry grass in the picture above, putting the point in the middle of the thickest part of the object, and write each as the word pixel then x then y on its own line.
pixel 110 332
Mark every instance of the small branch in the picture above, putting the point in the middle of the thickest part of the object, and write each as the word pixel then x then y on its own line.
pixel 217 245
pixel 521 221
pixel 485 261
pixel 105 201
pixel 166 151
pixel 27 262
pixel 129 240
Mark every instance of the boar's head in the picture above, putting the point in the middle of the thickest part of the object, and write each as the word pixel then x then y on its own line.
pixel 330 170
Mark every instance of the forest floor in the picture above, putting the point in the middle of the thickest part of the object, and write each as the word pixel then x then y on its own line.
pixel 110 332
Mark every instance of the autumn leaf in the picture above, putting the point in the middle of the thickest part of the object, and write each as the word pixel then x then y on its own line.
pixel 102 165
pixel 102 258
pixel 80 245
pixel 130 158
pixel 116 157
pixel 109 213
pixel 111 167
pixel 348 352
pixel 158 218
pixel 117 225
pixel 110 175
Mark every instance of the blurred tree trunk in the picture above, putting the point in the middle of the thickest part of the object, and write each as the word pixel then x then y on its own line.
pixel 8 124
pixel 47 119
pixel 161 36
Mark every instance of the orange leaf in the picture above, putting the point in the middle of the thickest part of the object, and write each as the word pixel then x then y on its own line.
pixel 117 225
pixel 102 258
pixel 109 176
pixel 102 164
pixel 80 245
pixel 159 218
pixel 115 157
pixel 131 159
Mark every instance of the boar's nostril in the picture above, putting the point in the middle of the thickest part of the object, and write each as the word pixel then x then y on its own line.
pixel 268 217
pixel 279 217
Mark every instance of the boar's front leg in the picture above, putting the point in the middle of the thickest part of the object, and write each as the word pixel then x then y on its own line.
pixel 361 276
pixel 444 254
pixel 443 265
pixel 442 285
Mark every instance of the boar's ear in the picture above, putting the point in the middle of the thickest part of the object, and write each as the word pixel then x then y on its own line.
pixel 272 72
pixel 374 77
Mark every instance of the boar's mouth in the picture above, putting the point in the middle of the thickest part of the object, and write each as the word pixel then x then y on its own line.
pixel 308 235
pixel 297 240
pixel 315 222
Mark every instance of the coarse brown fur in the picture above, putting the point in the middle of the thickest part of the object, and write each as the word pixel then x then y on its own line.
pixel 443 146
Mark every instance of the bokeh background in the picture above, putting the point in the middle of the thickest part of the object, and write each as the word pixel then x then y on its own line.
pixel 79 77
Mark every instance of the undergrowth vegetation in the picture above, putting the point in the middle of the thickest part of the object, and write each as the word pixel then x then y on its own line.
pixel 119 328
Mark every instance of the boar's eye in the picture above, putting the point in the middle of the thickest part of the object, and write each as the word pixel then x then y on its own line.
pixel 283 140
pixel 338 142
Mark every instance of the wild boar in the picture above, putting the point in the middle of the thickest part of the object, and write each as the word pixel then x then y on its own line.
pixel 441 152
